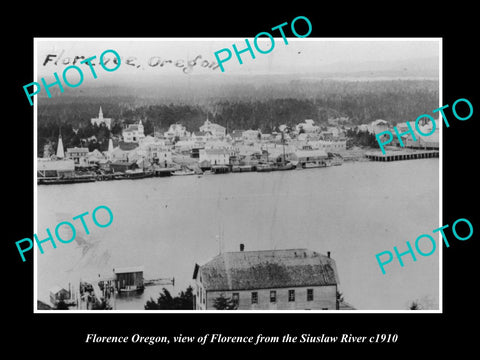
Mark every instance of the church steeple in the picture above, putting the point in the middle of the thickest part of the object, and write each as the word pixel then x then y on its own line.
pixel 100 113
pixel 110 145
pixel 60 152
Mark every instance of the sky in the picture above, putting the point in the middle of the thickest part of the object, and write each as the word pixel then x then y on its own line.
pixel 307 55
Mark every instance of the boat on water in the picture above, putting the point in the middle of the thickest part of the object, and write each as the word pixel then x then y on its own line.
pixel 131 289
pixel 132 174
pixel 65 180
pixel 264 168
pixel 284 166
pixel 314 164
pixel 335 162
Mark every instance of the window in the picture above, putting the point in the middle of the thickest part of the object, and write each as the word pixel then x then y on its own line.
pixel 291 295
pixel 254 297
pixel 273 296
pixel 309 294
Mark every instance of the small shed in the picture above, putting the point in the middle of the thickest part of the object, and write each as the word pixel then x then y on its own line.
pixel 58 293
pixel 129 278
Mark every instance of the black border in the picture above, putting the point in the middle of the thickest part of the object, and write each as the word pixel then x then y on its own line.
pixel 49 332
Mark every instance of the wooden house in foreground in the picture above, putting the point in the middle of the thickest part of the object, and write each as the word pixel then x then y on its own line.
pixel 293 279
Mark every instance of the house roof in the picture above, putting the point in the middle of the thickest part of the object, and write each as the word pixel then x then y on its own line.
pixel 55 289
pixel 77 149
pixel 131 127
pixel 217 151
pixel 246 270
pixel 237 133
pixel 130 269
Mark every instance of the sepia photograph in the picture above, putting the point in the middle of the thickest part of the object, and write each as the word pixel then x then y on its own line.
pixel 297 180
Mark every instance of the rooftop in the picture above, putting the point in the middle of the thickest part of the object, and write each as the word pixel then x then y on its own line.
pixel 265 269
pixel 131 269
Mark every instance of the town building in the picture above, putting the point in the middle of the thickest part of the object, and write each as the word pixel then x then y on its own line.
pixel 330 146
pixel 54 167
pixel 158 153
pixel 123 152
pixel 133 133
pixel 95 157
pixel 217 156
pixel 237 135
pixel 176 131
pixel 307 126
pixel 430 142
pixel 58 294
pixel 102 120
pixel 293 279
pixel 307 155
pixel 201 136
pixel 251 135
pixel 215 129
pixel 375 127
pixel 78 155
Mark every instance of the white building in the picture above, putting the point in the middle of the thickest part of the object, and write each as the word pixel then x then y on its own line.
pixel 374 127
pixel 78 155
pixel 157 152
pixel 95 157
pixel 215 156
pixel 307 126
pixel 251 135
pixel 176 130
pixel 102 120
pixel 133 133
pixel 215 129
pixel 332 146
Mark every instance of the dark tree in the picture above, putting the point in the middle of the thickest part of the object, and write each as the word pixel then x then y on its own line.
pixel 223 303
pixel 184 301
pixel 61 305
pixel 414 306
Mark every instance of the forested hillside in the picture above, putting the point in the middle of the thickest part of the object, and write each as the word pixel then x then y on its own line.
pixel 244 105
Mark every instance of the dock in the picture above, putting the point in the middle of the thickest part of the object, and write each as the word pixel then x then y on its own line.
pixel 401 155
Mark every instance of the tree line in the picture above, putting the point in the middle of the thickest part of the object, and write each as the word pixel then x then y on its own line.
pixel 267 107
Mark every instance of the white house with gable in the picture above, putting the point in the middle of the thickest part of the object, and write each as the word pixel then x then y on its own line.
pixel 215 129
pixel 133 133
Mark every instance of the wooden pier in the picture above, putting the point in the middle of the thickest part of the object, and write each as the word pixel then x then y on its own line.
pixel 401 155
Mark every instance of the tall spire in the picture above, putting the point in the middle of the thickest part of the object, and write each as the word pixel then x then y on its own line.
pixel 100 113
pixel 110 145
pixel 60 152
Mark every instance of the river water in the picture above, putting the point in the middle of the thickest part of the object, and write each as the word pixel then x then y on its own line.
pixel 168 224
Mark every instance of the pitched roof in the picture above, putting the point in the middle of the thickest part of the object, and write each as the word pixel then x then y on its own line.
pixel 217 151
pixel 77 149
pixel 246 270
pixel 131 269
